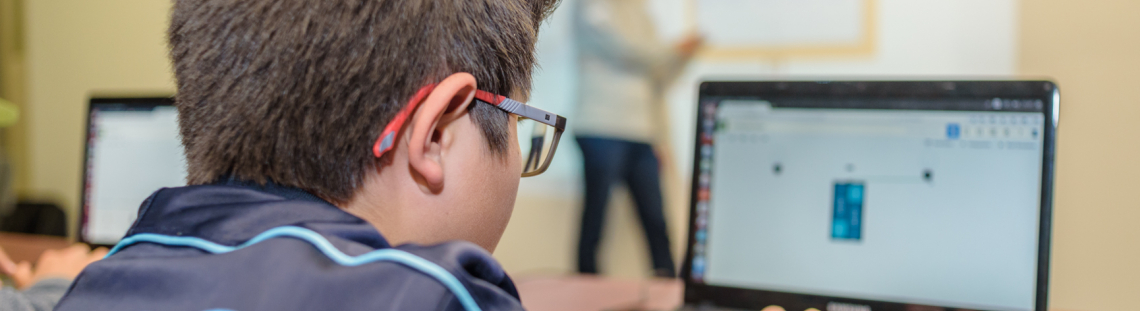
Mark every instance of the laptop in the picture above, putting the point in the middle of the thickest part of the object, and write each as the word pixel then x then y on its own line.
pixel 132 149
pixel 876 195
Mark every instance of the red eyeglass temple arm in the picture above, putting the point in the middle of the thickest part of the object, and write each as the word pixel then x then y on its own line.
pixel 387 139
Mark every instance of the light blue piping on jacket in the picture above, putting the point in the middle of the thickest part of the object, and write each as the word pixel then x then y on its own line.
pixel 323 245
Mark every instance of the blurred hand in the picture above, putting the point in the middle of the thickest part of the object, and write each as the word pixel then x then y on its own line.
pixel 664 160
pixel 689 45
pixel 56 263
pixel 6 264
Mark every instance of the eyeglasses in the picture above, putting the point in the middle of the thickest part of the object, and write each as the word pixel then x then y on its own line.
pixel 538 132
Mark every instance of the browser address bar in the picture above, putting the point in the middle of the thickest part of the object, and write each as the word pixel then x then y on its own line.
pixel 814 128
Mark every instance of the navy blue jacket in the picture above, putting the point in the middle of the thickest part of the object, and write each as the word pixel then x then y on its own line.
pixel 236 246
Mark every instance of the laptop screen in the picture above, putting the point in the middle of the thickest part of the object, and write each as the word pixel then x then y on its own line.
pixel 874 199
pixel 133 149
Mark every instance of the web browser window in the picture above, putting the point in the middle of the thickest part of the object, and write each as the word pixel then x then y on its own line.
pixel 917 206
pixel 132 151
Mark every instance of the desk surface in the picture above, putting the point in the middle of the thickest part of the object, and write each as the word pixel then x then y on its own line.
pixel 582 293
pixel 591 293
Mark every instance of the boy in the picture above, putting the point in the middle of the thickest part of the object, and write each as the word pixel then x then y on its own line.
pixel 334 149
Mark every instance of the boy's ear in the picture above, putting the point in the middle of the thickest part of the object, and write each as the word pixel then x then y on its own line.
pixel 447 102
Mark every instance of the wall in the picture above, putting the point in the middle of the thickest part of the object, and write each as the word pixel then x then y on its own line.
pixel 1092 50
pixel 74 48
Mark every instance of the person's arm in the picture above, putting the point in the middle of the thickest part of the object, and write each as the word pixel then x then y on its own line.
pixel 47 282
pixel 686 47
pixel 596 23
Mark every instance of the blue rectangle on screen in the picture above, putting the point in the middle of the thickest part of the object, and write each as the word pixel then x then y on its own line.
pixel 847 211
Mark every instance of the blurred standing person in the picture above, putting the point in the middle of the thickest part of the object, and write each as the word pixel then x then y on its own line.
pixel 625 69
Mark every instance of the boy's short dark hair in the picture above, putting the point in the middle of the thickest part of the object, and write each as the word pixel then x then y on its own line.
pixel 295 92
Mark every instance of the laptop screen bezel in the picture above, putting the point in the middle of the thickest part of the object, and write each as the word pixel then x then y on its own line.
pixel 701 294
pixel 93 103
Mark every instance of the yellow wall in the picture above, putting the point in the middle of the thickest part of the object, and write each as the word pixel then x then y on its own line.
pixel 12 86
pixel 75 47
pixel 1092 49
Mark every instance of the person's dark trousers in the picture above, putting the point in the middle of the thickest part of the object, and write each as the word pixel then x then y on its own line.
pixel 611 160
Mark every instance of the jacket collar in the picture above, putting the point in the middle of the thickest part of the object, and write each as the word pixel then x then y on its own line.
pixel 231 212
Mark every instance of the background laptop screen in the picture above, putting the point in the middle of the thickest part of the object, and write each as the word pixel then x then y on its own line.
pixel 132 151
pixel 931 207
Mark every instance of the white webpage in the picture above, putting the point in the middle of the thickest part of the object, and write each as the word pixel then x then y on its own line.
pixel 947 204
pixel 131 154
